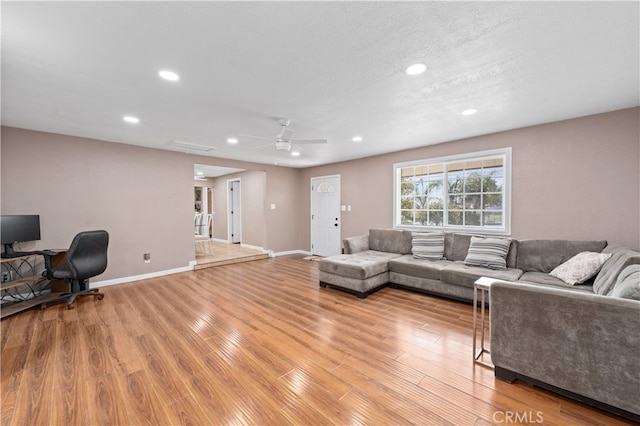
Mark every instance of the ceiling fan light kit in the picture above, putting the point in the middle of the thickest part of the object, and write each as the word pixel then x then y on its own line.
pixel 283 146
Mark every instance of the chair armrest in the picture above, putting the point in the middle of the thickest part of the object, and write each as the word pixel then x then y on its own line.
pixel 48 256
pixel 356 244
pixel 584 343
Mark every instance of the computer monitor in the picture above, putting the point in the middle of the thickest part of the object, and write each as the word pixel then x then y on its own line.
pixel 17 229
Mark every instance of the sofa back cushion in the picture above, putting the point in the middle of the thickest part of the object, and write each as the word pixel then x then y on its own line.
pixel 621 257
pixel 390 240
pixel 456 246
pixel 545 255
pixel 628 283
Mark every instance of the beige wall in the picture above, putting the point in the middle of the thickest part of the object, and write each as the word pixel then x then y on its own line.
pixel 143 197
pixel 576 179
pixel 252 201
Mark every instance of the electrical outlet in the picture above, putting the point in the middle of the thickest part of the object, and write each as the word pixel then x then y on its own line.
pixel 147 257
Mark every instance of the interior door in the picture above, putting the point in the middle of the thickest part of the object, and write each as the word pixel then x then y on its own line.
pixel 235 212
pixel 325 215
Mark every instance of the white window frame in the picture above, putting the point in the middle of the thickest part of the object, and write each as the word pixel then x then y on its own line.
pixel 505 229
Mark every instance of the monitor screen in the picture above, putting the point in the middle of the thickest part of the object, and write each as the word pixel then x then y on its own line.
pixel 18 228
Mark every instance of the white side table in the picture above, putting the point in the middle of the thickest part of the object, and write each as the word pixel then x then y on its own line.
pixel 482 286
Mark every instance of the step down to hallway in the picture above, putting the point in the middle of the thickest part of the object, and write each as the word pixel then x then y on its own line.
pixel 212 263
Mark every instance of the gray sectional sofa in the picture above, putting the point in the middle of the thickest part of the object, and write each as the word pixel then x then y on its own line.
pixel 582 341
pixel 384 258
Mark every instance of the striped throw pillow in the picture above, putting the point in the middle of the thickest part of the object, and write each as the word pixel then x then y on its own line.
pixel 488 252
pixel 427 245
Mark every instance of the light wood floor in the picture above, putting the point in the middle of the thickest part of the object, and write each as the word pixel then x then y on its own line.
pixel 215 253
pixel 258 343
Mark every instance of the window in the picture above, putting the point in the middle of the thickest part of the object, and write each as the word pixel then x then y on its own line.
pixel 468 192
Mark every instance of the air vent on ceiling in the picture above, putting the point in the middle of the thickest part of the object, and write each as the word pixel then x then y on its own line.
pixel 191 146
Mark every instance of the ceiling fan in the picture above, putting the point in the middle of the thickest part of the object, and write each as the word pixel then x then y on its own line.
pixel 283 141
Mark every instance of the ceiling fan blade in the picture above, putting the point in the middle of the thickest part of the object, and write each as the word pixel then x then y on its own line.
pixel 264 145
pixel 307 141
pixel 255 137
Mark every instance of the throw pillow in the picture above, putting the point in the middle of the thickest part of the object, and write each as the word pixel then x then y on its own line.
pixel 580 267
pixel 628 284
pixel 427 245
pixel 488 252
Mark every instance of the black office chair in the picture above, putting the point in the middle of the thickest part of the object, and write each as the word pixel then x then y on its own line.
pixel 86 258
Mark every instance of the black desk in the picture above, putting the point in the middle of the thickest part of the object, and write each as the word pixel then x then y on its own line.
pixel 23 285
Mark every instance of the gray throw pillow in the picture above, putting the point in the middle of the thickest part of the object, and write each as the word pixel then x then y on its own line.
pixel 628 283
pixel 427 245
pixel 488 252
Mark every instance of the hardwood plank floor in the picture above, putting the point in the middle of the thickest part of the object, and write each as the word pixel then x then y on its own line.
pixel 258 343
pixel 212 253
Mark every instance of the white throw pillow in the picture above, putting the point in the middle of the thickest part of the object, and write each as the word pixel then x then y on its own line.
pixel 427 245
pixel 580 267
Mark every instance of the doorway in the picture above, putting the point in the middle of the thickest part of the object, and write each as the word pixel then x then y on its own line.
pixel 325 215
pixel 234 211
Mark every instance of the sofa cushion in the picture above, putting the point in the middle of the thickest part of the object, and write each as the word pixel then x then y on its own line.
pixel 420 268
pixel 547 280
pixel 361 265
pixel 628 283
pixel 488 252
pixel 390 240
pixel 427 245
pixel 456 246
pixel 355 244
pixel 621 257
pixel 460 274
pixel 544 255
pixel 580 267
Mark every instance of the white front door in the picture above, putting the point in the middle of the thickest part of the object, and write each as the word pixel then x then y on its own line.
pixel 235 212
pixel 325 216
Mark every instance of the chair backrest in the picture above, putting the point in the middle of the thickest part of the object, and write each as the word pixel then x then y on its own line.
pixel 197 223
pixel 87 255
pixel 206 224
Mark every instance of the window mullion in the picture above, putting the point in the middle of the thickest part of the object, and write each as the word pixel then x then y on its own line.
pixel 445 212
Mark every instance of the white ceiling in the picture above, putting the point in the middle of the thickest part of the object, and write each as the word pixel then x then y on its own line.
pixel 336 69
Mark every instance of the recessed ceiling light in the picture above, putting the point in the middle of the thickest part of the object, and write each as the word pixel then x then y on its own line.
pixel 416 69
pixel 169 75
pixel 295 154
pixel 469 111
pixel 357 138
pixel 131 119
pixel 232 140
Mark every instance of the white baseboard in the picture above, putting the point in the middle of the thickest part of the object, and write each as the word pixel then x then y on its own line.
pixel 191 266
pixel 123 280
pixel 249 246
pixel 288 253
